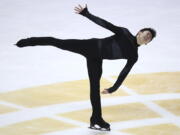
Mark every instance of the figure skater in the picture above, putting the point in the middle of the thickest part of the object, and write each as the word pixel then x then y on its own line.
pixel 121 45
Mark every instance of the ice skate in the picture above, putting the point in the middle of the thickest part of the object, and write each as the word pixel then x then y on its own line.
pixel 99 124
pixel 24 42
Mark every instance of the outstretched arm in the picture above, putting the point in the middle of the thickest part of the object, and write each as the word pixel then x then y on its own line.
pixel 121 77
pixel 84 11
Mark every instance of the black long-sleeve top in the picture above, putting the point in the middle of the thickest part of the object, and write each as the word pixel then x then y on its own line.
pixel 121 45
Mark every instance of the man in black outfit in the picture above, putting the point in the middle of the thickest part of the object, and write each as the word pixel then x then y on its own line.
pixel 121 45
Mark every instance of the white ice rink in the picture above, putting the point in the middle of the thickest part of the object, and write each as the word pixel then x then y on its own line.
pixel 34 66
pixel 31 66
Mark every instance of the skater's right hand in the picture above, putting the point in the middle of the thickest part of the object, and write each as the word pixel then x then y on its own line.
pixel 79 9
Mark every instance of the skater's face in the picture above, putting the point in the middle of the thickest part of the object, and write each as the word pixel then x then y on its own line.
pixel 144 37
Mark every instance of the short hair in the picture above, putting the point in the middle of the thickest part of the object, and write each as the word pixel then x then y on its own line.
pixel 153 31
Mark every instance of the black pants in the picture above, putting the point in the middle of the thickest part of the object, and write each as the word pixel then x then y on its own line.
pixel 87 48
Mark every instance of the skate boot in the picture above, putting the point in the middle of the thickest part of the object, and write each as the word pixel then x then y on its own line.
pixel 102 125
pixel 25 42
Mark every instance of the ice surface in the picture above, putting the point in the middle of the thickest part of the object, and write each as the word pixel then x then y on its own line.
pixel 32 66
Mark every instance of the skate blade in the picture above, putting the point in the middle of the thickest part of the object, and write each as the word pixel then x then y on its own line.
pixel 100 129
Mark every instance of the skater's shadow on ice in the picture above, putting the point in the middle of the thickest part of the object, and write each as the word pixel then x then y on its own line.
pixel 96 132
pixel 86 131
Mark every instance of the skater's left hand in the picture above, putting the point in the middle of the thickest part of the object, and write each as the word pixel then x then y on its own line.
pixel 105 91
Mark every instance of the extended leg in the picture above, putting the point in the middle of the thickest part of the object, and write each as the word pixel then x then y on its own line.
pixel 95 71
pixel 84 47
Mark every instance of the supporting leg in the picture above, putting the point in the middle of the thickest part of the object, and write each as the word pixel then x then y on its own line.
pixel 95 71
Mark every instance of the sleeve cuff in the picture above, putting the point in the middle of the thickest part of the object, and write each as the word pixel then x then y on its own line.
pixel 111 90
pixel 84 12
